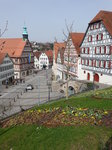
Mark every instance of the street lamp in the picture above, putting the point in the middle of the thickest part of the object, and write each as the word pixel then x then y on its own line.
pixel 49 88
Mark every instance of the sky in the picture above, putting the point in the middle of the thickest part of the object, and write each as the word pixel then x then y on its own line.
pixel 45 19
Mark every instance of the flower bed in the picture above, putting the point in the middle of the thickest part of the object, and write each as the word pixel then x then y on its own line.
pixel 59 117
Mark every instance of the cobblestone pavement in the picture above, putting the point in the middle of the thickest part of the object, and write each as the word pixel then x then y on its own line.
pixel 15 98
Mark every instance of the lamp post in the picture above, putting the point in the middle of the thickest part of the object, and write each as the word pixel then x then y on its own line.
pixel 49 88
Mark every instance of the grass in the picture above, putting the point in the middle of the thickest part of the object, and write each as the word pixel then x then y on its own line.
pixel 84 102
pixel 60 138
pixel 32 137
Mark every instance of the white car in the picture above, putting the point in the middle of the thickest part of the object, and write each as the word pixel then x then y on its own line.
pixel 29 87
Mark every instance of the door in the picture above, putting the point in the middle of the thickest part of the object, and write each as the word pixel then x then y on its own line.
pixel 88 76
pixel 96 77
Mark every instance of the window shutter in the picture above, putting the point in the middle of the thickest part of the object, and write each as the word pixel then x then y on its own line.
pixel 91 38
pixel 104 64
pixel 92 63
pixel 104 49
pixel 97 37
pixel 88 50
pixel 95 50
pixel 109 65
pixel 84 62
pixel 95 63
pixel 100 63
pixel 88 62
pixel 102 36
pixel 100 50
pixel 109 50
pixel 81 61
pixel 84 50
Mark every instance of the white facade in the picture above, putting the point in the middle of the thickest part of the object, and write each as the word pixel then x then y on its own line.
pixel 59 75
pixel 96 55
pixel 43 60
pixel 36 62
pixel 6 71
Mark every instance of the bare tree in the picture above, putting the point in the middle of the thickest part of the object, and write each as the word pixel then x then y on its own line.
pixel 67 51
pixel 4 30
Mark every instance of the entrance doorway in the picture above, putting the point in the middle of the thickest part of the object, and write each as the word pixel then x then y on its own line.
pixel 88 76
pixel 96 77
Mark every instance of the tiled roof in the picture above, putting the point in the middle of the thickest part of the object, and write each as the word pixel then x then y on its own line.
pixel 106 18
pixel 13 46
pixel 37 54
pixel 77 39
pixel 2 56
pixel 49 54
pixel 58 46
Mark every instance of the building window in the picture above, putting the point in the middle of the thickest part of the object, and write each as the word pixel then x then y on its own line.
pixel 99 37
pixel 90 38
pixel 97 50
pixel 102 49
pixel 97 63
pixel 91 27
pixel 108 50
pixel 98 25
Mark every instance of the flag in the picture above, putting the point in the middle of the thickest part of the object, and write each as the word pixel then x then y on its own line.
pixel 29 59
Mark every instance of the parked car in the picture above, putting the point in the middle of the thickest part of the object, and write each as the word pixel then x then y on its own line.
pixel 29 87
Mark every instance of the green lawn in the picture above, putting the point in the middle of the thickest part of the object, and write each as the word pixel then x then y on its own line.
pixel 61 138
pixel 32 137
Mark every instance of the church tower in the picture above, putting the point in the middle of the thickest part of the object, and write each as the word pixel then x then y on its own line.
pixel 25 34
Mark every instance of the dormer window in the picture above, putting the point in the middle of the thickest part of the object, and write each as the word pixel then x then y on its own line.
pixel 98 25
pixel 91 27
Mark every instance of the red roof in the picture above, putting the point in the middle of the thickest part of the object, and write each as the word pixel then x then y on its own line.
pixel 77 39
pixel 49 54
pixel 58 46
pixel 2 56
pixel 106 18
pixel 13 46
pixel 37 54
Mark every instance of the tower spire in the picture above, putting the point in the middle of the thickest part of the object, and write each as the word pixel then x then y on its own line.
pixel 25 33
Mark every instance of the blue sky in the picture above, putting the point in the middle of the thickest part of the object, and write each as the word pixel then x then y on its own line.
pixel 45 19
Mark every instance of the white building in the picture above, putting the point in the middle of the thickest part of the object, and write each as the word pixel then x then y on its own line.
pixel 36 59
pixel 46 59
pixel 57 66
pixel 96 49
pixel 6 69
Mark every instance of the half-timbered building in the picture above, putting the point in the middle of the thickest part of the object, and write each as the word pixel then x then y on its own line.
pixel 72 56
pixel 20 51
pixel 96 49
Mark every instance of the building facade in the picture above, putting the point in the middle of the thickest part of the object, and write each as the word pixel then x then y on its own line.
pixel 6 69
pixel 72 56
pixel 20 51
pixel 57 68
pixel 36 59
pixel 46 59
pixel 96 49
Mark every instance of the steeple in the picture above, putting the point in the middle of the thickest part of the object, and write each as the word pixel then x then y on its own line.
pixel 25 33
